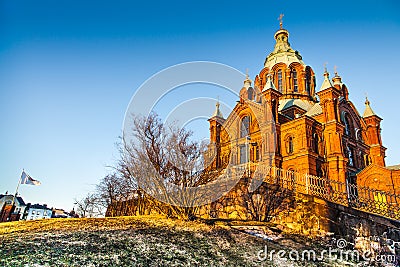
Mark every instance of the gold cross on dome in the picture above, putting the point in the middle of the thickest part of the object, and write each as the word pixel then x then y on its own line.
pixel 325 69
pixel 280 20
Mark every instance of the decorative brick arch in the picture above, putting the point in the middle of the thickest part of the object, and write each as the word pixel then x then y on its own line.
pixel 289 142
pixel 275 69
pixel 296 76
pixel 263 76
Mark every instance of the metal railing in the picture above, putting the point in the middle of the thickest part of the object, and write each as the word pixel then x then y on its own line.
pixel 366 199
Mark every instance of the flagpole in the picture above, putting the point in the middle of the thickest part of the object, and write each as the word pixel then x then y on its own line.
pixel 16 192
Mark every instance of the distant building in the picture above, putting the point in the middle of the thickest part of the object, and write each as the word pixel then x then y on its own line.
pixel 60 213
pixel 6 208
pixel 38 211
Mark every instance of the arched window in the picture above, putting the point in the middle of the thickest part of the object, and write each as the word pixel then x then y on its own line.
pixel 250 93
pixel 280 82
pixel 347 124
pixel 245 126
pixel 295 83
pixel 290 145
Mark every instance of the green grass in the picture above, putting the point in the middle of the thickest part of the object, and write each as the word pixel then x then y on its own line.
pixel 130 241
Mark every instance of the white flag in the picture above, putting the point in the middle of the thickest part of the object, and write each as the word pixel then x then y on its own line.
pixel 26 179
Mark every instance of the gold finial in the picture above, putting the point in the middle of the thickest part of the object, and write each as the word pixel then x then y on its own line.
pixel 217 104
pixel 280 20
pixel 325 69
pixel 247 74
pixel 366 99
pixel 335 69
pixel 217 112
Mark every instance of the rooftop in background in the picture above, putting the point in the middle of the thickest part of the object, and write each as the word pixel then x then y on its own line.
pixel 18 198
pixel 39 206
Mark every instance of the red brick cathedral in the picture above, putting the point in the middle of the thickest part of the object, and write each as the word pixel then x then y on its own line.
pixel 318 130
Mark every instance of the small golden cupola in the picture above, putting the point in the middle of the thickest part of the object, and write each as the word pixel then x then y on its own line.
pixel 338 84
pixel 217 112
pixel 368 112
pixel 247 92
pixel 326 84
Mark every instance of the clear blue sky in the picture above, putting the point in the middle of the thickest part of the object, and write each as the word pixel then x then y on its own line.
pixel 69 68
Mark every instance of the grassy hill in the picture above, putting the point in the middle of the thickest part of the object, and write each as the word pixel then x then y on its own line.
pixel 130 241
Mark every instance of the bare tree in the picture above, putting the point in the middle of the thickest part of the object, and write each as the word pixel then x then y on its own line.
pixel 108 190
pixel 267 201
pixel 88 206
pixel 165 163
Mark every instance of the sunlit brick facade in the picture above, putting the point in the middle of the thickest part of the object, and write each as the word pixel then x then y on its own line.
pixel 318 129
